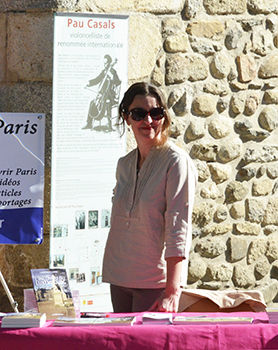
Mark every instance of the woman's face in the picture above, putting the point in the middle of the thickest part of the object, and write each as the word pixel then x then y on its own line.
pixel 147 130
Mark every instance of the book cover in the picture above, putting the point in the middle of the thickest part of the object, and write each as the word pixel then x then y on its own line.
pixel 53 292
pixel 98 321
pixel 23 320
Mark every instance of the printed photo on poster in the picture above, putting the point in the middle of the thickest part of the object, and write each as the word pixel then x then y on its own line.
pixel 105 218
pixel 73 273
pixel 60 231
pixel 59 260
pixel 95 276
pixel 80 220
pixel 93 219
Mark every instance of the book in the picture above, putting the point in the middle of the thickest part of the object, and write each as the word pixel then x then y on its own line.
pixel 157 318
pixel 23 320
pixel 53 294
pixel 98 321
pixel 178 320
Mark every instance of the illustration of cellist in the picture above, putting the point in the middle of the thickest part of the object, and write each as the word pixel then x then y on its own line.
pixel 107 96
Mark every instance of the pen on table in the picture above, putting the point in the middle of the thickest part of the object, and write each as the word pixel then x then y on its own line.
pixel 94 314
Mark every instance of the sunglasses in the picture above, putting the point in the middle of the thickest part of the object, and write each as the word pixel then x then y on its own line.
pixel 140 113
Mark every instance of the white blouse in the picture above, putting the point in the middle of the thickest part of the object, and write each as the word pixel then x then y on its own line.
pixel 151 217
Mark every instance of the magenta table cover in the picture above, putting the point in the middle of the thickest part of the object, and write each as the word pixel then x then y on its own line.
pixel 258 335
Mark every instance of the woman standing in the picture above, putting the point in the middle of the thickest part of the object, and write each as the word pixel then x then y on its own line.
pixel 150 232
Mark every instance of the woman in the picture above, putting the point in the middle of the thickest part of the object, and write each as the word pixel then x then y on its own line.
pixel 150 232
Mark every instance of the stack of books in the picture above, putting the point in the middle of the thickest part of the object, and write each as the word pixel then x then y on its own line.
pixel 272 315
pixel 23 320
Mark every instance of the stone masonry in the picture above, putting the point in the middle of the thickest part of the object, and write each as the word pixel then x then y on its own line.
pixel 217 62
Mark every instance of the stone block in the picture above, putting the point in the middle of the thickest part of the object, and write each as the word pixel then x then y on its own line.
pixel 220 65
pixel 247 68
pixel 31 5
pixel 3 31
pixel 269 67
pixel 256 249
pixel 210 247
pixel 30 52
pixel 206 29
pixel 235 191
pixel 143 30
pixel 261 187
pixel 203 214
pixel 262 6
pixel 237 248
pixel 220 172
pixel 2 64
pixel 204 105
pixel 196 269
pixel 205 151
pixel 255 210
pixel 243 277
pixel 225 7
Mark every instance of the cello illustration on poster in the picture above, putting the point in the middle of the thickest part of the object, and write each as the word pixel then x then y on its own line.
pixel 106 99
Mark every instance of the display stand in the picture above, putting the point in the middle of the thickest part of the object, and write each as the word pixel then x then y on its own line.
pixel 9 295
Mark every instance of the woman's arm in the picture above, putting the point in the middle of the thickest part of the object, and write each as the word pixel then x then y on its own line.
pixel 169 301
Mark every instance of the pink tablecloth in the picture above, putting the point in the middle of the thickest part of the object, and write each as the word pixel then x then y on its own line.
pixel 259 335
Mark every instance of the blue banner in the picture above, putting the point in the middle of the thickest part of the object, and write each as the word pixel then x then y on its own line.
pixel 21 226
pixel 21 178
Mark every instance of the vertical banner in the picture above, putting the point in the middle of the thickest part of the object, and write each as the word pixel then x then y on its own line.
pixel 90 77
pixel 21 178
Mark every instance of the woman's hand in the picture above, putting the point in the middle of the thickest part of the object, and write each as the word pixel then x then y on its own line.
pixel 166 303
pixel 169 300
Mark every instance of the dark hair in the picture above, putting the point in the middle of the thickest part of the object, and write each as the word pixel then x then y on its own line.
pixel 109 59
pixel 144 89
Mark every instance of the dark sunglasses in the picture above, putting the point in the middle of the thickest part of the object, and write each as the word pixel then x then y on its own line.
pixel 140 113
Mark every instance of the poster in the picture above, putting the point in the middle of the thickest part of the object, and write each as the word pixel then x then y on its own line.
pixel 21 178
pixel 89 80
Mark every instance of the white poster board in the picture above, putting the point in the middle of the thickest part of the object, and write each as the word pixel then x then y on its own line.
pixel 21 177
pixel 90 77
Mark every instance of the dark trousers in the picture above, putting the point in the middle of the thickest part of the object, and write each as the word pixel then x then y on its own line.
pixel 126 300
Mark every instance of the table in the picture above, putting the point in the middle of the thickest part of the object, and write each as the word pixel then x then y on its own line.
pixel 259 335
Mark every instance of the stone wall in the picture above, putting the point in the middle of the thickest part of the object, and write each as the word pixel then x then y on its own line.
pixel 217 63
